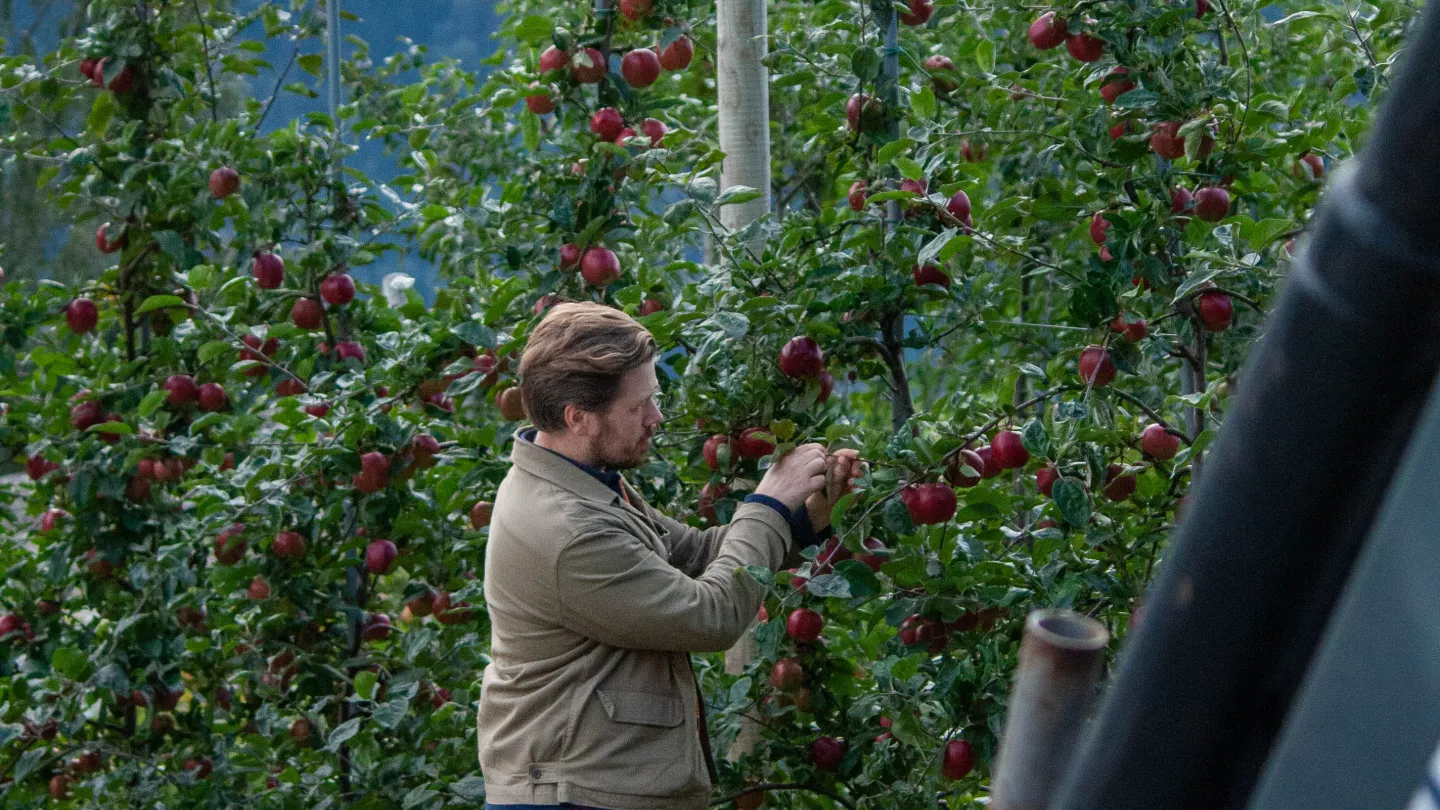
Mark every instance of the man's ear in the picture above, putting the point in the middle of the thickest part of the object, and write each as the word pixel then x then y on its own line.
pixel 579 421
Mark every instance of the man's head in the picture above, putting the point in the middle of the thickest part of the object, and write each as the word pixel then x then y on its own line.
pixel 588 378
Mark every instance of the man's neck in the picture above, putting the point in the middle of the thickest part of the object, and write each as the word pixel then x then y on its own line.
pixel 566 445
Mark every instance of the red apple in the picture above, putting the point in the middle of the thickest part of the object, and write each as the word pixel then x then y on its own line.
pixel 929 274
pixel 224 181
pixel 1116 84
pixel 1045 479
pixel 380 555
pixel 1098 226
pixel 709 494
pixel 338 289
pixel 958 761
pixel 588 66
pixel 600 266
pixel 105 244
pixel 1096 367
pixel 711 452
pixel 787 674
pixel 975 152
pixel 804 625
pixel 540 103
pixel 1166 142
pixel 756 442
pixel 635 9
pixel 640 67
pixel 827 753
pixel 84 415
pixel 873 561
pixel 856 195
pixel 955 472
pixel 552 58
pixel 1008 450
pixel 480 514
pixel 258 590
pixel 650 306
pixel 300 732
pixel 306 313
pixel 1157 442
pixel 943 85
pixel 81 315
pixel 959 207
pixel 87 69
pixel 606 123
pixel 827 386
pixel 422 605
pixel 1201 6
pixel 52 518
pixel 1118 487
pixel 678 55
pixel 569 255
pixel 918 13
pixel 801 357
pixel 212 397
pixel 1181 200
pixel 864 113
pixel 1048 31
pixel 268 271
pixel 987 458
pixel 230 545
pixel 37 467
pixel 60 786
pixel 377 627
pixel 929 504
pixel 1132 331
pixel 1085 47
pixel 138 489
pixel 121 83
pixel 201 768
pixel 654 128
pixel 182 390
pixel 1212 203
pixel 1215 310
pixel 1310 167
pixel 349 349
pixel 288 546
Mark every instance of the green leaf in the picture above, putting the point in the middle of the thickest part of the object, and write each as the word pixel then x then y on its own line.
pixel 530 131
pixel 863 582
pixel 342 733
pixel 908 728
pixel 101 111
pixel 733 324
pixel 909 169
pixel 112 677
pixel 739 690
pixel 897 518
pixel 735 195
pixel 923 103
pixel 152 402
pixel 535 29
pixel 471 788
pixel 70 662
pixel 888 152
pixel 828 585
pixel 476 334
pixel 212 350
pixel 390 713
pixel 155 302
pixel 1074 503
pixel 365 683
pixel 1035 439
pixel 865 64
pixel 311 63
pixel 985 55
pixel 113 428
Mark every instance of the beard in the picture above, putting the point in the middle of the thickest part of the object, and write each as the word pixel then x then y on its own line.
pixel 618 455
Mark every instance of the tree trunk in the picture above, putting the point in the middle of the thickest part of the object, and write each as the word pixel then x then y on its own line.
pixel 744 107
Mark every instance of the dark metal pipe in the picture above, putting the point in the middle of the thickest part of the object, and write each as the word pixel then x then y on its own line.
pixel 1326 407
pixel 1060 660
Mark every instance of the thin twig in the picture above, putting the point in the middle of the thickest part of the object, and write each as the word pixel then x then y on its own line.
pixel 205 40
pixel 275 93
pixel 778 786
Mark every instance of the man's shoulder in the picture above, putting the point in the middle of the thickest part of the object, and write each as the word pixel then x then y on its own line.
pixel 540 505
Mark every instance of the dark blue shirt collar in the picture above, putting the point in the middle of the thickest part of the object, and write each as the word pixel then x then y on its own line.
pixel 610 478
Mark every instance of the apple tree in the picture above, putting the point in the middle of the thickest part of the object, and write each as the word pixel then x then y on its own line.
pixel 1016 257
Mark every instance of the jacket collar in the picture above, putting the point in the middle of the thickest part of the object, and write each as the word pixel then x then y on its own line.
pixel 557 469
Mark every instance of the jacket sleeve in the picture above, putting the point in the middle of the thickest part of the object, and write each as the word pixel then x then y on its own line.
pixel 691 549
pixel 614 588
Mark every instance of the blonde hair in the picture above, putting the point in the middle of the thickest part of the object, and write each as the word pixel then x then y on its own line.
pixel 577 356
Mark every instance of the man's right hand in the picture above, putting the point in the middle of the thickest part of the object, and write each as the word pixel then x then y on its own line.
pixel 799 474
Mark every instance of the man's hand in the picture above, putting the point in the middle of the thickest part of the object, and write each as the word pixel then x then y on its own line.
pixel 796 476
pixel 845 467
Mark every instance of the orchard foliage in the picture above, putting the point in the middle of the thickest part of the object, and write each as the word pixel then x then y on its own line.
pixel 245 565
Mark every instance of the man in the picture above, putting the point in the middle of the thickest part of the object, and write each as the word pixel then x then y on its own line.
pixel 596 600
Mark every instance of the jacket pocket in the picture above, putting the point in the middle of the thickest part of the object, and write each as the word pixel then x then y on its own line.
pixel 642 708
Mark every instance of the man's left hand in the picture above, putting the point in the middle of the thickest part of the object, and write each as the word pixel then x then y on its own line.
pixel 845 466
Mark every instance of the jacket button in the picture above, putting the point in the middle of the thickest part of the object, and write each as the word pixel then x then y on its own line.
pixel 535 773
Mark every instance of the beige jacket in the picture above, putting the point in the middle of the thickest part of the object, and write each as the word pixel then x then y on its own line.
pixel 595 605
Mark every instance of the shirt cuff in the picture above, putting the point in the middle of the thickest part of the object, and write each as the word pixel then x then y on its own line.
pixel 766 500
